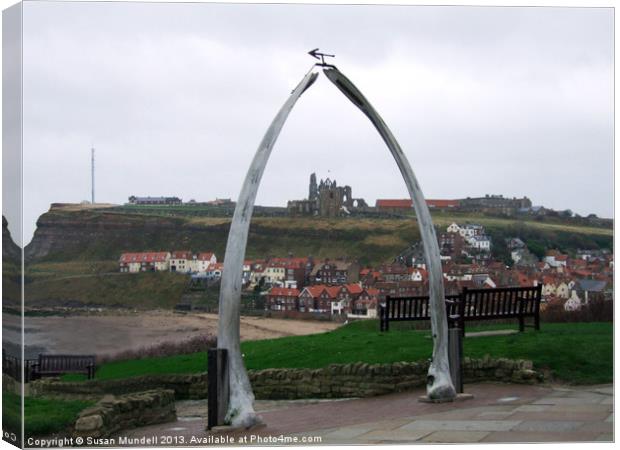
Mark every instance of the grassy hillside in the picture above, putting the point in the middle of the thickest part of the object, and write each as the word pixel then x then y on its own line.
pixel 98 235
pixel 73 257
pixel 574 353
pixel 140 290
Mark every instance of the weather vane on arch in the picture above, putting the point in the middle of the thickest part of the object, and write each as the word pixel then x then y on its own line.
pixel 316 54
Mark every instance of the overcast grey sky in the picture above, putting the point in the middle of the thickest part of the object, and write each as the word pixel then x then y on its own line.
pixel 176 98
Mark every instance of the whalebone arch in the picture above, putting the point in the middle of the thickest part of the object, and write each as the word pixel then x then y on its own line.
pixel 240 407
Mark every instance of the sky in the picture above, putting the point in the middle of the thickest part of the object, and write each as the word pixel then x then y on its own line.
pixel 175 98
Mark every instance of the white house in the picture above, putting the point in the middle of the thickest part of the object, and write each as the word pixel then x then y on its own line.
pixel 480 242
pixel 562 289
pixel 453 228
pixel 471 230
pixel 257 273
pixel 275 275
pixel 417 275
pixel 180 261
pixel 572 304
pixel 203 261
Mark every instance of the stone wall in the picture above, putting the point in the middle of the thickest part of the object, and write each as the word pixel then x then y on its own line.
pixel 113 414
pixel 366 380
pixel 334 381
pixel 11 385
pixel 184 386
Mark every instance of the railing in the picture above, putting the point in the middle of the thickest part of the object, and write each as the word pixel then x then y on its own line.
pixel 12 367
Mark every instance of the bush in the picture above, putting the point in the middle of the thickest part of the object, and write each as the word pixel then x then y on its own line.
pixel 195 344
pixel 594 311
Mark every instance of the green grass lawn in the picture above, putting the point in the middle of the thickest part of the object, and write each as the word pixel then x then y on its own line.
pixel 580 353
pixel 42 416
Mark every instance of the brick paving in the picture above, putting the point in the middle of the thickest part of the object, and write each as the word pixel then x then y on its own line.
pixel 497 413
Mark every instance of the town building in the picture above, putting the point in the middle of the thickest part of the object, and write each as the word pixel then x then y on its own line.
pixel 181 261
pixel 333 272
pixel 365 305
pixel 495 203
pixel 394 272
pixel 144 262
pixel 293 271
pixel 203 261
pixel 309 297
pixel 406 205
pixel 345 294
pixel 282 299
pixel 133 200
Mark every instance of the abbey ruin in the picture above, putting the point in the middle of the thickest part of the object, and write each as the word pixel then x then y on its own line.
pixel 326 199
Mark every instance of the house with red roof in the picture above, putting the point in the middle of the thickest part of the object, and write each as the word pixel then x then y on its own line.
pixel 365 305
pixel 417 274
pixel 291 272
pixel 442 204
pixel 329 302
pixel 394 272
pixel 309 297
pixel 394 205
pixel 344 295
pixel 318 298
pixel 400 289
pixel 282 299
pixel 202 262
pixel 369 277
pixel 144 262
pixel 215 271
pixel 397 205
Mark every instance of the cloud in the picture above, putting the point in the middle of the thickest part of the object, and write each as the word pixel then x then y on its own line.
pixel 176 97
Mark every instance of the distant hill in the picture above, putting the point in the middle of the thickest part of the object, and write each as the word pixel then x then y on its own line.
pixel 10 250
pixel 103 234
pixel 72 260
pixel 11 268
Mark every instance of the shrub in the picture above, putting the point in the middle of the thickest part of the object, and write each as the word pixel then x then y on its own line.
pixel 193 345
pixel 594 311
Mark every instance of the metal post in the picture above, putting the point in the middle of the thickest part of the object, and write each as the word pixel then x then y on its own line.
pixel 218 386
pixel 92 175
pixel 455 354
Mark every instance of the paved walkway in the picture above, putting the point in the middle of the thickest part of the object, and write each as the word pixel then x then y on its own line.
pixel 497 413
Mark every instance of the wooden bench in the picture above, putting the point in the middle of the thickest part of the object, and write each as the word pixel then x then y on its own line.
pixel 53 365
pixel 469 305
pixel 406 309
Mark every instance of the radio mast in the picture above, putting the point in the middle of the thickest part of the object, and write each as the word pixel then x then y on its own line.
pixel 92 175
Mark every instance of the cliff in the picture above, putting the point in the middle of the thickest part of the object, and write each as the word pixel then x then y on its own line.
pixel 65 234
pixel 10 250
pixel 97 235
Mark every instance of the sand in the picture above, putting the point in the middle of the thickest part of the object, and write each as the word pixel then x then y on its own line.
pixel 112 333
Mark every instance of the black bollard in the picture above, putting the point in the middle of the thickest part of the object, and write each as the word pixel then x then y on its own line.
pixel 218 388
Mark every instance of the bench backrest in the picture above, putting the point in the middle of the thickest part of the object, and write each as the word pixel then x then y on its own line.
pixel 65 363
pixel 470 304
pixel 416 308
pixel 500 302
